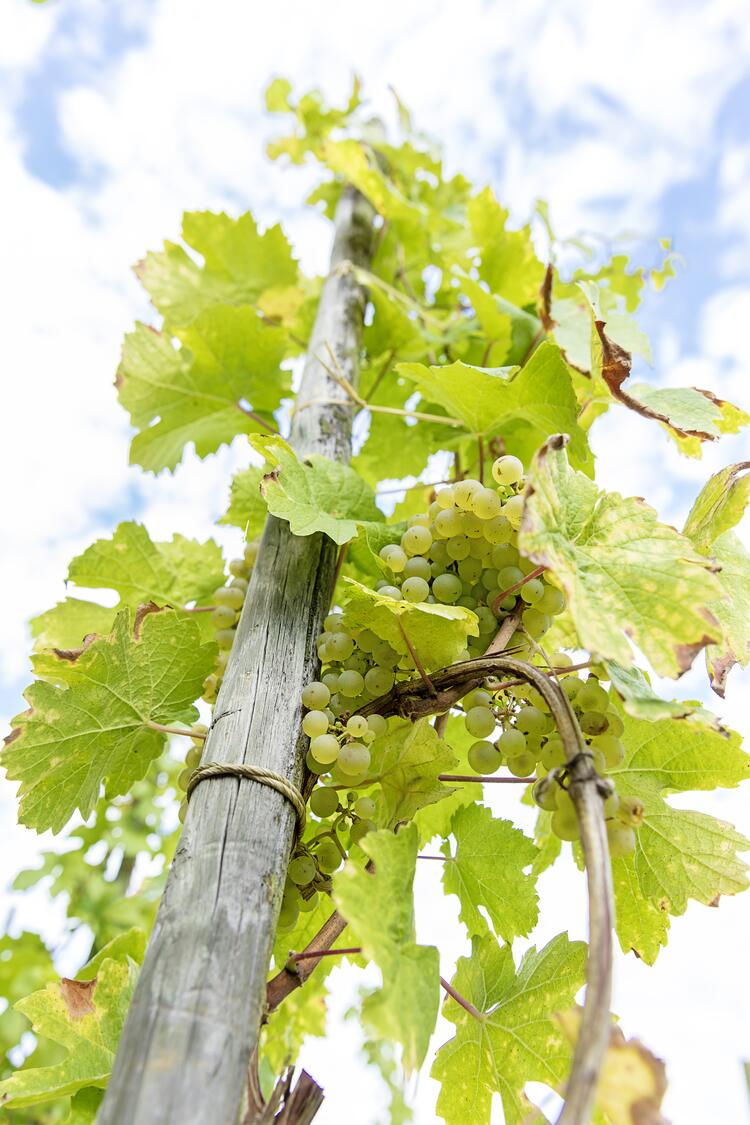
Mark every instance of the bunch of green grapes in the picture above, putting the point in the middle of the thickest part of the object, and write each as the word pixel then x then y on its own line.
pixel 339 741
pixel 316 859
pixel 193 757
pixel 228 602
pixel 528 744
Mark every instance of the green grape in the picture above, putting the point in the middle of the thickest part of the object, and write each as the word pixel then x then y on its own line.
pixel 385 656
pixel 571 685
pixel 324 802
pixel 463 491
pixel 621 839
pixel 611 806
pixel 394 557
pixel 388 591
pixel 415 590
pixel 535 623
pixel 532 591
pixel 504 555
pixel 328 857
pixel 486 503
pixel 611 747
pixel 489 580
pixel 484 757
pixel 314 765
pixel 183 778
pixel 333 622
pixel 518 641
pixel 487 619
pixel 238 568
pixel 593 722
pixel 593 697
pixel 479 721
pixel 356 726
pixel 416 567
pixel 509 576
pixel 359 829
pixel 468 603
pixel 498 530
pixel 340 646
pixel 210 688
pixel 288 914
pixel 444 498
pixel 315 723
pixel 531 720
pixel 522 765
pixel 512 742
pixel 239 584
pixel 316 695
pixel 223 617
pixel 471 526
pixel 353 759
pixel 198 732
pixel 193 757
pixel 416 540
pixel 507 470
pixel 378 681
pixel 357 662
pixel 351 683
pixel 364 807
pixel 564 827
pixel 447 588
pixel 229 596
pixel 480 549
pixel 552 601
pixel 325 749
pixel 470 570
pixel 377 724
pixel 251 552
pixel 307 905
pixel 224 638
pixel 476 698
pixel 631 811
pixel 544 794
pixel 439 556
pixel 222 659
pixel 182 811
pixel 616 725
pixel 513 511
pixel 302 870
pixel 458 547
pixel 329 680
pixel 553 753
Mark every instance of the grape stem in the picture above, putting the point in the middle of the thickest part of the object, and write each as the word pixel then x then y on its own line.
pixel 482 779
pixel 308 953
pixel 417 662
pixel 465 1004
pixel 172 730
pixel 495 607
pixel 504 633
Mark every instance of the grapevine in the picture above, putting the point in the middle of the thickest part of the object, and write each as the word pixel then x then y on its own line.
pixel 391 669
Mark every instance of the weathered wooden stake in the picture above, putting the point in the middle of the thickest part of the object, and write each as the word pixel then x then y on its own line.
pixel 196 1013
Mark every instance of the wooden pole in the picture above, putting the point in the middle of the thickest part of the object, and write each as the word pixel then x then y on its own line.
pixel 197 1008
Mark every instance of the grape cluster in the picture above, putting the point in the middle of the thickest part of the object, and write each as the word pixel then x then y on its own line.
pixel 228 602
pixel 198 733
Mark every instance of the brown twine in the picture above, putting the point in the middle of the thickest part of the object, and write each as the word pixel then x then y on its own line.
pixel 252 773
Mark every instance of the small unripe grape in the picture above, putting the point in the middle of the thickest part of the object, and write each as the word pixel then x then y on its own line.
pixel 210 687
pixel 340 646
pixel 544 794
pixel 388 591
pixel 509 576
pixel 571 685
pixel 593 697
pixel 631 811
pixel 306 905
pixel 611 806
pixel 329 680
pixel 223 617
pixel 513 511
pixel 314 765
pixel 224 638
pixel 333 622
pixel 445 498
pixel 484 757
pixel 384 655
pixel 447 523
pixel 531 720
pixel 447 588
pixel 486 503
pixel 553 753
pixel 315 723
pixel 458 547
pixel 417 567
pixel 364 807
pixel 552 601
pixel 324 802
pixel 378 681
pixel 251 552
pixel 198 732
pixel 416 540
pixel 564 827
pixel 593 722
pixel 463 491
pixel 288 915
pixel 329 857
pixel 498 530
pixel 325 749
pixel 471 526
pixel 535 623
pixel 523 764
pixel 183 778
pixel 357 662
pixel 394 557
pixel 480 549
pixel 193 757
pixel 616 725
pixel 377 724
pixel 238 568
pixel 439 556
pixel 621 839
pixel 504 555
pixel 222 659
pixel 507 470
pixel 316 695
pixel 512 742
pixel 359 829
pixel 302 870
pixel 351 683
pixel 414 589
pixel 356 726
pixel 353 759
pixel 611 747
pixel 239 584
pixel 479 721
pixel 476 698
pixel 182 811
pixel 230 596
pixel 531 592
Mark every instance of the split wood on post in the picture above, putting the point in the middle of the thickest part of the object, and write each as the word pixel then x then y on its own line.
pixel 195 1016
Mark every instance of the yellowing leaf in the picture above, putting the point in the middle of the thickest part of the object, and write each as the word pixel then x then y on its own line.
pixel 487 869
pixel 91 725
pixel 517 1041
pixel 379 909
pixel 238 265
pixel 316 494
pixel 225 380
pixel 438 633
pixel 508 261
pixel 68 622
pixel 406 762
pixel 247 509
pixel 632 1081
pixel 623 572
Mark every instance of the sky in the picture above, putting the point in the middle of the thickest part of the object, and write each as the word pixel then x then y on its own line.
pixel 116 117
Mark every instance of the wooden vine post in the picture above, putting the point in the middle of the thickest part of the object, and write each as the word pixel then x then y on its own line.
pixel 197 1008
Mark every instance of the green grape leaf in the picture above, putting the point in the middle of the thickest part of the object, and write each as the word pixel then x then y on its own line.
pixel 679 855
pixel 508 261
pixel 379 908
pixel 641 701
pixel 349 159
pixel 435 819
pixel 91 725
pixel 624 573
pixel 437 633
pixel 83 1017
pixel 238 265
pixel 392 331
pixel 316 494
pixel 68 622
pixel 25 966
pixel 495 322
pixel 364 551
pixel 718 508
pixel 247 508
pixel 84 1106
pixel 302 1015
pixel 686 412
pixel 396 448
pixel 517 1041
pixel 523 408
pixel 487 870
pixel 129 944
pixel 406 762
pixel 175 573
pixel 225 380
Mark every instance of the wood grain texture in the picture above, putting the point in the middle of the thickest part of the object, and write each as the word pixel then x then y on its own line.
pixel 200 997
